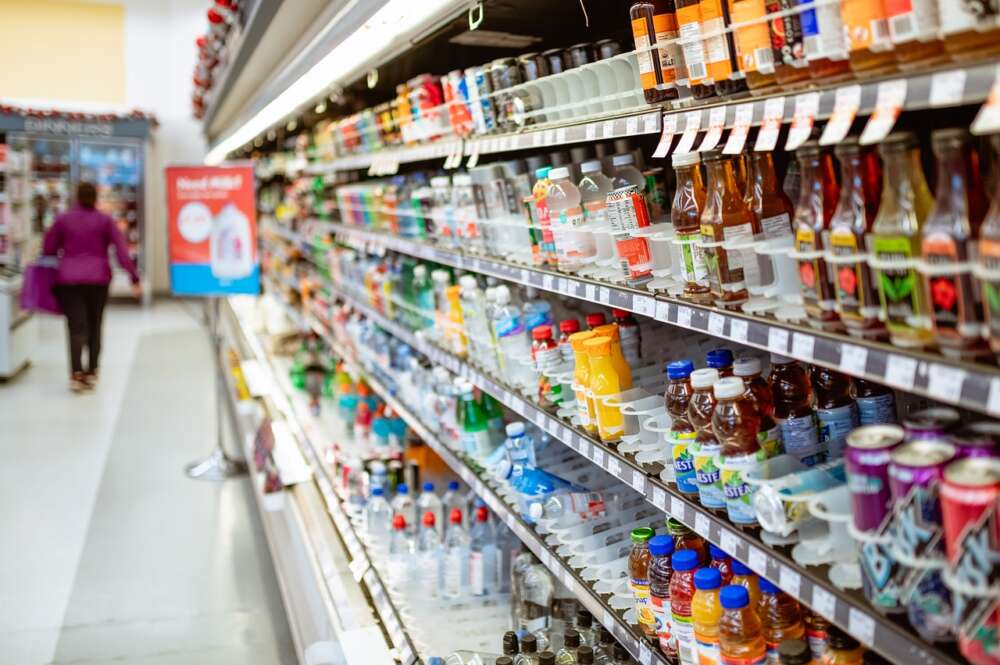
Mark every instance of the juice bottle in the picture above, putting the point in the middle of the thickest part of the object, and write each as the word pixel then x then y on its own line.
pixel 736 422
pixel 816 633
pixel 726 218
pixel 857 296
pixel 721 562
pixel 788 44
pixel 604 382
pixel 741 638
pixel 689 23
pixel 748 369
pixel 689 202
pixel 681 434
pixel 686 539
pixel 836 411
pixel 610 330
pixel 815 208
pixel 989 264
pixel 721 360
pixel 753 45
pixel 706 611
pixel 567 328
pixel 455 322
pixel 771 207
pixel 841 648
pixel 720 49
pixel 868 38
pixel 876 403
pixel 914 26
pixel 969 32
pixel 825 42
pixel 682 592
pixel 639 560
pixel 594 320
pixel 539 195
pixel 781 618
pixel 794 652
pixel 581 380
pixel 793 407
pixel 705 447
pixel 660 572
pixel 652 22
pixel 947 237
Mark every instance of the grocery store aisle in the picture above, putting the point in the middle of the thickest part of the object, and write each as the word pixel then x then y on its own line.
pixel 113 555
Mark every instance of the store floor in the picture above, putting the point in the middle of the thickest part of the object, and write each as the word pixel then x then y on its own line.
pixel 111 554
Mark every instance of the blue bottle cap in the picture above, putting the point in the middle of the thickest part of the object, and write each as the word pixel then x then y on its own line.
pixel 428 487
pixel 717 552
pixel 734 597
pixel 661 545
pixel 453 485
pixel 402 488
pixel 707 578
pixel 377 491
pixel 684 560
pixel 767 587
pixel 679 369
pixel 740 569
pixel 719 358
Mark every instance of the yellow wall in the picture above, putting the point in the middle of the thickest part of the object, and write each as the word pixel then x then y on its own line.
pixel 62 50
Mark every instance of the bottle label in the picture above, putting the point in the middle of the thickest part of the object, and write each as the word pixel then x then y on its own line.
pixel 647 73
pixel 776 226
pixel 595 212
pixel 800 437
pixel 547 358
pixel 643 607
pixel 786 36
pixel 812 272
pixel 665 26
pixel 823 32
pixel 509 326
pixel 709 652
pixel 865 24
pixel 911 19
pixel 661 613
pixel 717 55
pixel 899 288
pixel 753 42
pixel 680 452
pixel 817 643
pixel 583 409
pixel 877 410
pixel 742 262
pixel 707 474
pixel 961 16
pixel 952 306
pixel 477 574
pixel 689 20
pixel 693 259
pixel 851 280
pixel 687 646
pixel 772 654
pixel 739 493
pixel 989 255
pixel 834 426
pixel 636 259
pixel 770 441
pixel 568 245
pixel 477 444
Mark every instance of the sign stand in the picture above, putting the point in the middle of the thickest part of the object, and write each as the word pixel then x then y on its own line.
pixel 218 465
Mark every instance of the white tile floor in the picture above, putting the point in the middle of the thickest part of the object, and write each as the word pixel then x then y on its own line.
pixel 110 553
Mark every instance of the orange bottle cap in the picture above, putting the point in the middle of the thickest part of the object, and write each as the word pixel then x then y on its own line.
pixel 576 340
pixel 598 346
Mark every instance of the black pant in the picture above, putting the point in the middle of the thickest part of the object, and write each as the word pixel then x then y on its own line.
pixel 83 305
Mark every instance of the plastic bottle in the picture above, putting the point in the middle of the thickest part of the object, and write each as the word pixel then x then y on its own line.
pixel 621 656
pixel 736 422
pixel 705 447
pixel 513 346
pixel 400 553
pixel 768 433
pixel 689 202
pixel 477 334
pixel 454 331
pixel 628 212
pixel 475 429
pixel 842 649
pixel 686 539
pixel 746 578
pixel 581 503
pixel 494 417
pixel 876 403
pixel 793 407
pixel 660 571
pixel 567 327
pixel 482 555
pixel 453 499
pixel 378 518
pixel 721 562
pixel 546 658
pixel 585 655
pixel 654 21
pixel 622 367
pixel 520 448
pixel 423 297
pixel 741 638
pixel 639 560
pixel 604 382
pixel 536 311
pixel 581 380
pixel 682 592
pixel 403 504
pixel 836 412
pixel 721 360
pixel 456 557
pixel 594 188
pixel 816 633
pixel 794 652
pixel 781 618
pixel 573 247
pixel 429 501
pixel 571 642
pixel 510 645
pixel 629 336
pixel 706 611
pixel 539 194
pixel 547 357
pixel 681 435
pixel 595 320
pixel 428 556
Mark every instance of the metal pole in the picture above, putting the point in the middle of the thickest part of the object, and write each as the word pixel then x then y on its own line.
pixel 218 465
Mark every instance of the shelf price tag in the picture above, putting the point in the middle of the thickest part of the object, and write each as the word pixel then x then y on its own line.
pixel 947 88
pixel 853 359
pixel 993 400
pixel 861 625
pixel 824 602
pixel 741 127
pixel 777 340
pixel 358 568
pixel 666 136
pixel 649 123
pixel 590 133
pixel 614 467
pixel 738 330
pixel 702 525
pixel 716 122
pixel 645 655
pixel 662 311
pixel 677 507
pixel 692 123
pixel 757 560
pixel 684 316
pixel 900 371
pixel 802 346
pixel 639 481
pixel 608 129
pixel 845 107
pixel 774 114
pixel 789 581
pixel 729 541
pixel 947 382
pixel 632 125
pixel 888 104
pixel 988 119
pixel 561 135
pixel 660 498
pixel 806 107
pixel 644 305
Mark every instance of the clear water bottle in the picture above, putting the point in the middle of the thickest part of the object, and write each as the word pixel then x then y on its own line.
pixel 428 557
pixel 400 554
pixel 520 448
pixel 404 505
pixel 378 518
pixel 482 555
pixel 514 348
pixel 583 504
pixel 453 499
pixel 456 557
pixel 429 501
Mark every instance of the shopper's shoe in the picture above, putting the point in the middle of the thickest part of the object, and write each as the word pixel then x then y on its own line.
pixel 78 382
pixel 90 376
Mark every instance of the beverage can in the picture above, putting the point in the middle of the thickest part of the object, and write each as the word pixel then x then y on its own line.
pixel 980 439
pixel 970 493
pixel 867 461
pixel 931 423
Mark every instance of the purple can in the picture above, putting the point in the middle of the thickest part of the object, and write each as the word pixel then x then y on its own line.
pixel 980 439
pixel 931 423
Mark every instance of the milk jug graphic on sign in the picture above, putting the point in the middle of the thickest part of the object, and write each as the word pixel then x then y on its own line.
pixel 230 245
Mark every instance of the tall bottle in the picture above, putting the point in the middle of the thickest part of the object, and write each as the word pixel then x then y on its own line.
pixel 682 591
pixel 400 553
pixel 543 217
pixel 655 21
pixel 895 242
pixel 741 638
pixel 857 295
pixel 429 501
pixel 868 38
pixel 378 518
pixel 529 651
pixel 705 447
pixel 836 411
pixel 736 422
pixel 812 217
pixel 629 336
pixel 622 367
pixel 604 382
pixel 989 264
pixel 681 434
pixel 781 618
pixel 876 403
pixel 686 539
pixel 768 435
pixel 628 211
pixel 722 55
pixel 689 202
pixel 791 68
pixel 639 560
pixel 594 188
pixel 947 238
pixel 573 247
pixel 455 567
pixel 476 440
pixel 694 48
pixel 720 561
pixel 706 613
pixel 585 627
pixel 753 45
pixel 726 219
pixel 404 505
pixel 771 207
pixel 548 359
pixel 660 572
pixel 581 380
pixel 825 42
pixel 494 418
pixel 842 649
pixel 482 555
pixel 428 556
pixel 793 408
pixel 513 346
pixel 571 643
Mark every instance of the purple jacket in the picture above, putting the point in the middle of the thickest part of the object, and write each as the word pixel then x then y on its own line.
pixel 80 237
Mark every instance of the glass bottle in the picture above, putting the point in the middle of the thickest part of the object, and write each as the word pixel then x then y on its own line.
pixel 842 649
pixel 950 230
pixel 812 217
pixel 772 209
pixel 914 26
pixel 989 264
pixel 726 218
pixel 876 403
pixel 895 239
pixel 857 297
pixel 753 46
pixel 654 21
pixel 790 66
pixel 689 22
pixel 689 202
pixel 638 569
pixel 825 42
pixel 722 61
pixel 868 38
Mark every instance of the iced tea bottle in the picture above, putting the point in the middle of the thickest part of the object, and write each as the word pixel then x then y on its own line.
pixel 682 590
pixel 660 572
pixel 689 202
pixel 817 202
pixel 705 447
pixel 793 407
pixel 748 368
pixel 726 218
pixel 638 571
pixel 736 422
pixel 771 208
pixel 654 21
pixel 915 27
pixel 868 38
pixel 706 611
pixel 989 264
pixel 722 562
pixel 681 434
pixel 581 380
pixel 746 578
pixel 841 648
pixel 876 403
pixel 836 412
pixel 788 44
pixel 947 238
pixel 857 296
pixel 826 42
pixel 895 242
pixel 689 22
pixel 753 45
pixel 781 617
pixel 721 360
pixel 741 638
pixel 686 539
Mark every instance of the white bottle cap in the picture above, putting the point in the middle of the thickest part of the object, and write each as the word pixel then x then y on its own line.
pixel 503 295
pixel 441 181
pixel 590 166
pixel 515 429
pixel 467 281
pixel 746 366
pixel 420 270
pixel 685 159
pixel 461 180
pixel 559 173
pixel 535 511
pixel 704 378
pixel 729 387
pixel 622 160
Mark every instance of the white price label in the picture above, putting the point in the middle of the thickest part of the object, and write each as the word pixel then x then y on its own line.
pixel 645 655
pixel 547 281
pixel 853 359
pixel 947 88
pixel 993 401
pixel 614 467
pixel 666 136
pixel 591 132
pixel 609 620
pixel 789 581
pixel 716 122
pixel 632 125
pixel 888 104
pixel 777 340
pixel 806 106
pixel 802 346
pixel 590 290
pixel 649 123
pixel 662 311
pixel 358 568
pixel 604 295
pixel 608 129
pixel 644 305
pixel 537 139
pixel 692 123
pixel 549 137
pixel 988 119
pixel 729 542
pixel 684 316
pixel 701 525
pixel 741 127
pixel 845 107
pixel 598 457
pixel 947 382
pixel 561 135
pixel 660 498
pixel 583 447
pixel 638 481
pixel 677 507
pixel 716 324
pixel 757 560
pixel 774 114
pixel 738 330
pixel 824 603
pixel 861 625
pixel 900 371
pixel 473 158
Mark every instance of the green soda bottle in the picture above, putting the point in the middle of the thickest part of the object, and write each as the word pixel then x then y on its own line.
pixel 475 437
pixel 494 418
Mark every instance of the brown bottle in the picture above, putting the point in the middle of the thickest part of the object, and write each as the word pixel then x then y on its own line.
pixel 720 49
pixel 868 38
pixel 989 263
pixel 772 210
pixel 690 28
pixel 685 214
pixel 726 218
pixel 753 45
pixel 827 50
pixel 914 26
pixel 948 234
pixel 790 66
pixel 812 216
pixel 860 189
pixel 654 21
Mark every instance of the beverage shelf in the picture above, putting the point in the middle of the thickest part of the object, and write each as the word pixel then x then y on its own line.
pixel 847 609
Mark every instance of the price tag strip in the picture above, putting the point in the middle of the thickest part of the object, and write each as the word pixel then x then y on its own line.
pixel 888 104
pixel 740 130
pixel 846 102
pixel 806 107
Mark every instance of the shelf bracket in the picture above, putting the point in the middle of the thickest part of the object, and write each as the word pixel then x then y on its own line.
pixel 476 13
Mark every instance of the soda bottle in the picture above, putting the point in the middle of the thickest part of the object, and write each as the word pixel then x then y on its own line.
pixel 686 539
pixel 817 201
pixel 705 446
pixel 682 592
pixel 581 380
pixel 720 360
pixel 595 320
pixel 771 207
pixel 494 417
pixel 746 578
pixel 655 21
pixel 681 435
pixel 566 328
pixel 841 648
pixel 455 566
pixel 836 411
pixel 736 423
pixel 604 382
pixel 768 435
pixel 706 611
pixel 781 618
pixel 629 335
pixel 947 239
pixel 689 202
pixel 988 265
pixel 741 639
pixel 573 248
pixel 660 572
pixel 726 219
pixel 721 562
pixel 639 560
pixel 794 652
pixel 529 651
pixel 793 400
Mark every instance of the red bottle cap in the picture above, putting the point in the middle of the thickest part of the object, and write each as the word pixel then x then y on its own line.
pixel 618 313
pixel 541 332
pixel 456 516
pixel 398 522
pixel 596 319
pixel 482 514
pixel 569 326
pixel 428 518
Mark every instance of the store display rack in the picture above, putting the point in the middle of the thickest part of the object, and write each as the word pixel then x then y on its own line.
pixel 848 610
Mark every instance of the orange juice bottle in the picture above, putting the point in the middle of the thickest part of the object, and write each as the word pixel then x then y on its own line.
pixel 706 611
pixel 611 331
pixel 746 578
pixel 581 380
pixel 781 617
pixel 741 639
pixel 604 382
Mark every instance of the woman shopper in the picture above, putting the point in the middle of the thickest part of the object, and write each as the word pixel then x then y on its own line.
pixel 80 238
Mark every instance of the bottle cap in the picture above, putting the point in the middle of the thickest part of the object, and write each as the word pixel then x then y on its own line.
pixel 838 639
pixel 482 514
pixel 510 644
pixel 704 378
pixel 576 340
pixel 543 172
pixel 377 491
pixel 734 597
pixel 794 652
pixel 559 173
pixel 661 545
pixel 676 528
pixel 739 568
pixel 504 660
pixel 541 332
pixel 685 158
pixel 679 369
pixel 453 485
pixel 622 160
pixel 461 180
pixel 684 560
pixel 591 166
pixel 398 522
pixel 467 281
pixel 717 552
pixel 595 319
pixel 619 313
pixel 529 643
pixel 719 358
pixel 746 366
pixel 569 326
pixel 402 488
pixel 546 658
pixel 778 359
pixel 585 655
pixel 604 636
pixel 641 534
pixel 730 387
pixel 429 519
pixel 584 618
pixel 514 429
pixel 767 586
pixel 456 516
pixel 571 638
pixel 598 346
pixel 707 578
pixel 428 487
